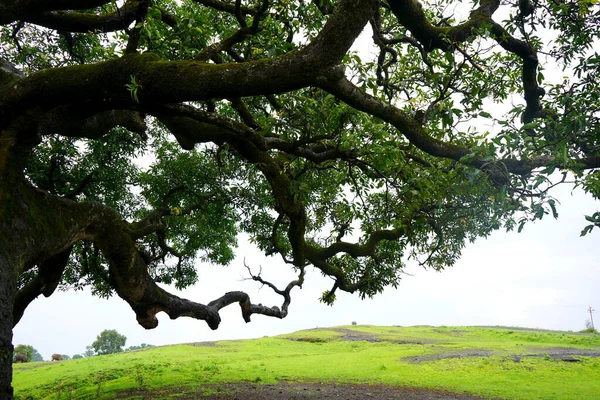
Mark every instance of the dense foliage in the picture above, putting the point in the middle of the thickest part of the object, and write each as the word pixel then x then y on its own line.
pixel 139 138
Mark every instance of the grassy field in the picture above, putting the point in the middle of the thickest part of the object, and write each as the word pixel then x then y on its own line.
pixel 489 362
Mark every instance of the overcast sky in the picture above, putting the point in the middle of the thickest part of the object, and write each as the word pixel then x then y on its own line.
pixel 543 277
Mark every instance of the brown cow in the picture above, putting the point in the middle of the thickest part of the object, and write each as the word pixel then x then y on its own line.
pixel 56 357
pixel 20 358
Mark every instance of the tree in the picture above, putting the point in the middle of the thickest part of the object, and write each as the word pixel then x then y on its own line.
pixel 89 351
pixel 29 351
pixel 109 342
pixel 258 119
pixel 36 356
pixel 24 349
pixel 77 356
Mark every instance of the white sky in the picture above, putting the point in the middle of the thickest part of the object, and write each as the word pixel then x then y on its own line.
pixel 543 277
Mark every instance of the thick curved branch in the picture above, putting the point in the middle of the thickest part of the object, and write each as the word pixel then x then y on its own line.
pixel 77 190
pixel 13 10
pixel 147 225
pixel 128 273
pixel 162 82
pixel 71 21
pixel 316 153
pixel 411 15
pixel 252 146
pixel 45 282
pixel 8 72
pixel 284 293
pixel 524 167
pixel 246 305
pixel 129 276
pixel 168 18
pixel 532 91
pixel 338 85
pixel 76 122
pixel 135 32
pixel 319 256
pixel 227 7
pixel 356 250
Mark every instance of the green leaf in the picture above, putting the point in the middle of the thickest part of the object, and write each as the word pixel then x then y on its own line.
pixel 552 204
pixel 540 77
pixel 586 230
pixel 449 57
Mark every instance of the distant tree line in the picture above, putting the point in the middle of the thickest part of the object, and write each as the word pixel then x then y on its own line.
pixel 29 352
pixel 107 342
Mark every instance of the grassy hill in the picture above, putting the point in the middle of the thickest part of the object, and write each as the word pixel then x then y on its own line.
pixel 506 363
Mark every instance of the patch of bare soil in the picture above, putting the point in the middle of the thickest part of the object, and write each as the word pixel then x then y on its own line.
pixel 518 328
pixel 302 391
pixel 557 353
pixel 349 335
pixel 355 336
pixel 441 356
pixel 202 344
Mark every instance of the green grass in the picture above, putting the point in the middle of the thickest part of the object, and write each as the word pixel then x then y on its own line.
pixel 322 355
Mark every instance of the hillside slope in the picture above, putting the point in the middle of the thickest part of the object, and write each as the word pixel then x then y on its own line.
pixel 506 363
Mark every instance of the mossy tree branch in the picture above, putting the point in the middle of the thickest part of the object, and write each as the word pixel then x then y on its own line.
pixel 71 21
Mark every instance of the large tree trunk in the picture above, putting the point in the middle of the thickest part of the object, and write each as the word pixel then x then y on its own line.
pixel 7 294
pixel 14 236
pixel 8 271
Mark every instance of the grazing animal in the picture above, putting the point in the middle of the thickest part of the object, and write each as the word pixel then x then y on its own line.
pixel 56 357
pixel 20 358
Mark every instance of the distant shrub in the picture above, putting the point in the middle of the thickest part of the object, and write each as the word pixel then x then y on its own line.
pixel 76 356
pixel 353 322
pixel 589 327
pixel 141 346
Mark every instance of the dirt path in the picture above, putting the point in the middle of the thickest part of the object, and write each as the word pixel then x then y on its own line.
pixel 297 391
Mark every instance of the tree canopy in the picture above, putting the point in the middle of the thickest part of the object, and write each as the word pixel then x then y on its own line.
pixel 109 341
pixel 139 138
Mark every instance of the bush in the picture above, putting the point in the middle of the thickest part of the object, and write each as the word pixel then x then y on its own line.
pixel 589 327
pixel 141 346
